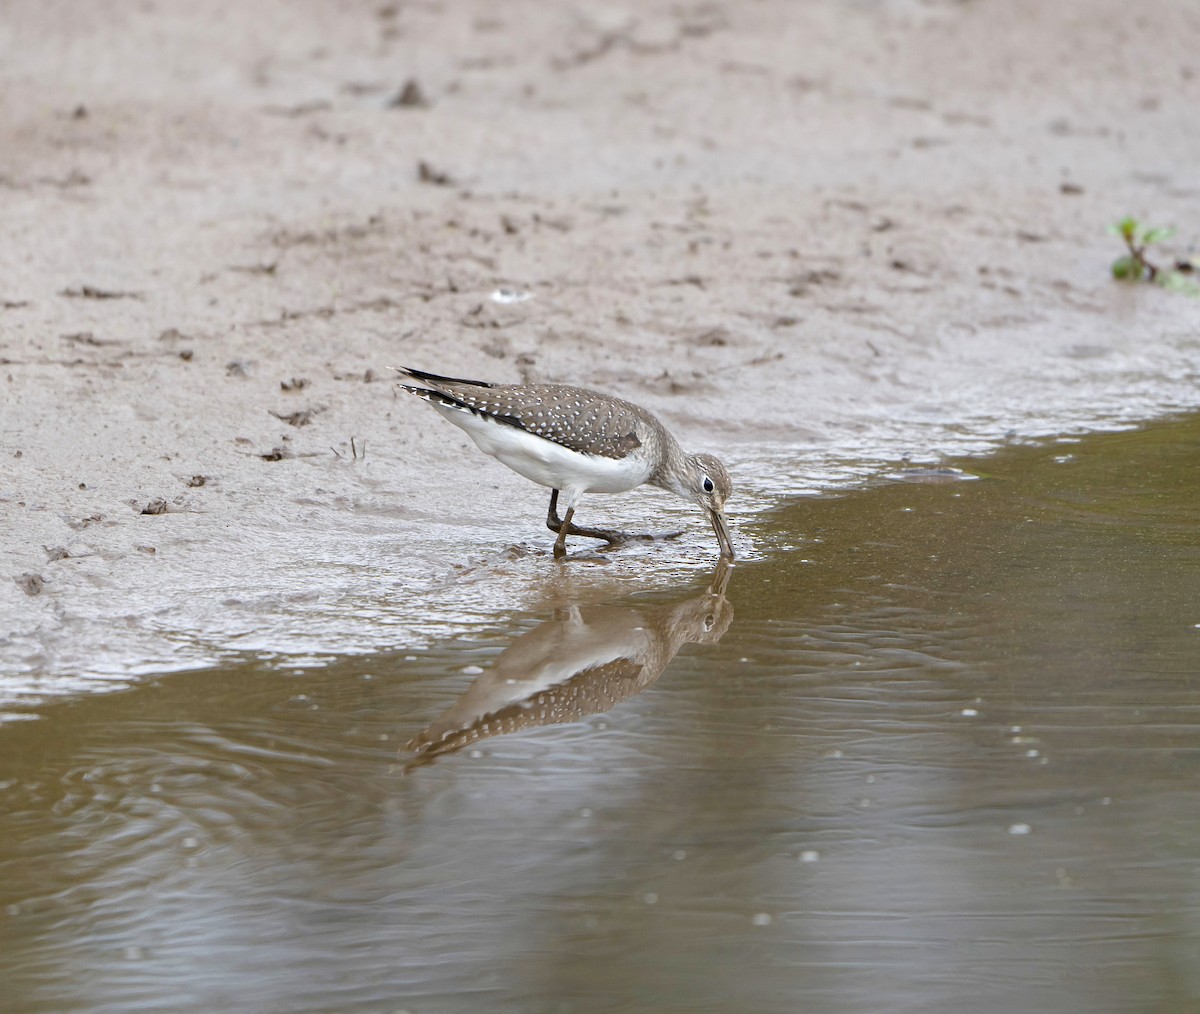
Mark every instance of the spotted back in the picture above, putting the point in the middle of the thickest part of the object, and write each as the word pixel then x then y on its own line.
pixel 574 417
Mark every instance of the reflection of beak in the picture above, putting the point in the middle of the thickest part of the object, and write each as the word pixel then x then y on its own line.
pixel 722 530
pixel 720 580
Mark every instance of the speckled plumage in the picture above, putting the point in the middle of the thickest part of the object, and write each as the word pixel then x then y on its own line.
pixel 576 441
pixel 572 417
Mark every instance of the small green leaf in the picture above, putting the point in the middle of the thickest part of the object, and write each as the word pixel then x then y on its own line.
pixel 1176 281
pixel 1157 235
pixel 1124 228
pixel 1126 269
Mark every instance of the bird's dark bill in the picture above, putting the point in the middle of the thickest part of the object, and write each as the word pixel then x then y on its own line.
pixel 722 529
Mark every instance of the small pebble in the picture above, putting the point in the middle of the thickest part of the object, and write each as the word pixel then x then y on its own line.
pixel 507 295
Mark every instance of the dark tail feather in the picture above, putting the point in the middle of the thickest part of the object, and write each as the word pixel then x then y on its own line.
pixel 446 398
pixel 430 394
pixel 433 378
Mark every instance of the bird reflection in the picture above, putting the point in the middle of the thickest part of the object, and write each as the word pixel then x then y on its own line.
pixel 581 662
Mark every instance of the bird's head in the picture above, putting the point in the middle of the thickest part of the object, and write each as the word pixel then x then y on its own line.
pixel 706 483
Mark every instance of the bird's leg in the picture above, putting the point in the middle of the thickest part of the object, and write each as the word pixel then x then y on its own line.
pixel 564 528
pixel 560 544
pixel 556 524
pixel 553 521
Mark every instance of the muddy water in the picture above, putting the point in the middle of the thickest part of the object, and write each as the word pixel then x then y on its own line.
pixel 942 754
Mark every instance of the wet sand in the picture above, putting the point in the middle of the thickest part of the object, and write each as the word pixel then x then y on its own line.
pixel 813 237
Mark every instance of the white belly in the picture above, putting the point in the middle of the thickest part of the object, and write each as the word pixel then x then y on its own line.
pixel 548 463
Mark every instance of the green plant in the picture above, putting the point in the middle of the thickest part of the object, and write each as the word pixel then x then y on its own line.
pixel 1135 266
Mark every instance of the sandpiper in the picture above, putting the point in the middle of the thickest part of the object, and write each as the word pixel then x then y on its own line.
pixel 577 441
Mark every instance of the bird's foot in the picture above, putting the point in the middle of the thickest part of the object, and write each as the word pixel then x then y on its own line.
pixel 603 534
pixel 564 527
pixel 616 540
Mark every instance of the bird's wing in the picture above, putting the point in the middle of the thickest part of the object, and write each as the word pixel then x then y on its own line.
pixel 573 417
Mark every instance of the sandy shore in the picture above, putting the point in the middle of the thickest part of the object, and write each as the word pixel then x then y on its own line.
pixel 811 236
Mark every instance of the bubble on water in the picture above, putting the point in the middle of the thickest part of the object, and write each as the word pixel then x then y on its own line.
pixel 650 898
pixel 969 712
pixel 1019 829
pixel 472 670
pixel 191 842
pixel 679 854
pixel 762 919
pixel 475 754
pixel 1031 753
pixel 809 856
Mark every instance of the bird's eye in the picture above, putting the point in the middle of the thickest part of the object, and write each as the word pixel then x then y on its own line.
pixel 710 621
pixel 707 484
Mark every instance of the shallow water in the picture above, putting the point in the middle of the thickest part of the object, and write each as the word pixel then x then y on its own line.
pixel 942 754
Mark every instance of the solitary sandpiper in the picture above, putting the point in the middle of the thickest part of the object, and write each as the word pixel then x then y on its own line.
pixel 577 441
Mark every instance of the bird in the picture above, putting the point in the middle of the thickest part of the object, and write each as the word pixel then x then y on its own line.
pixel 575 441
